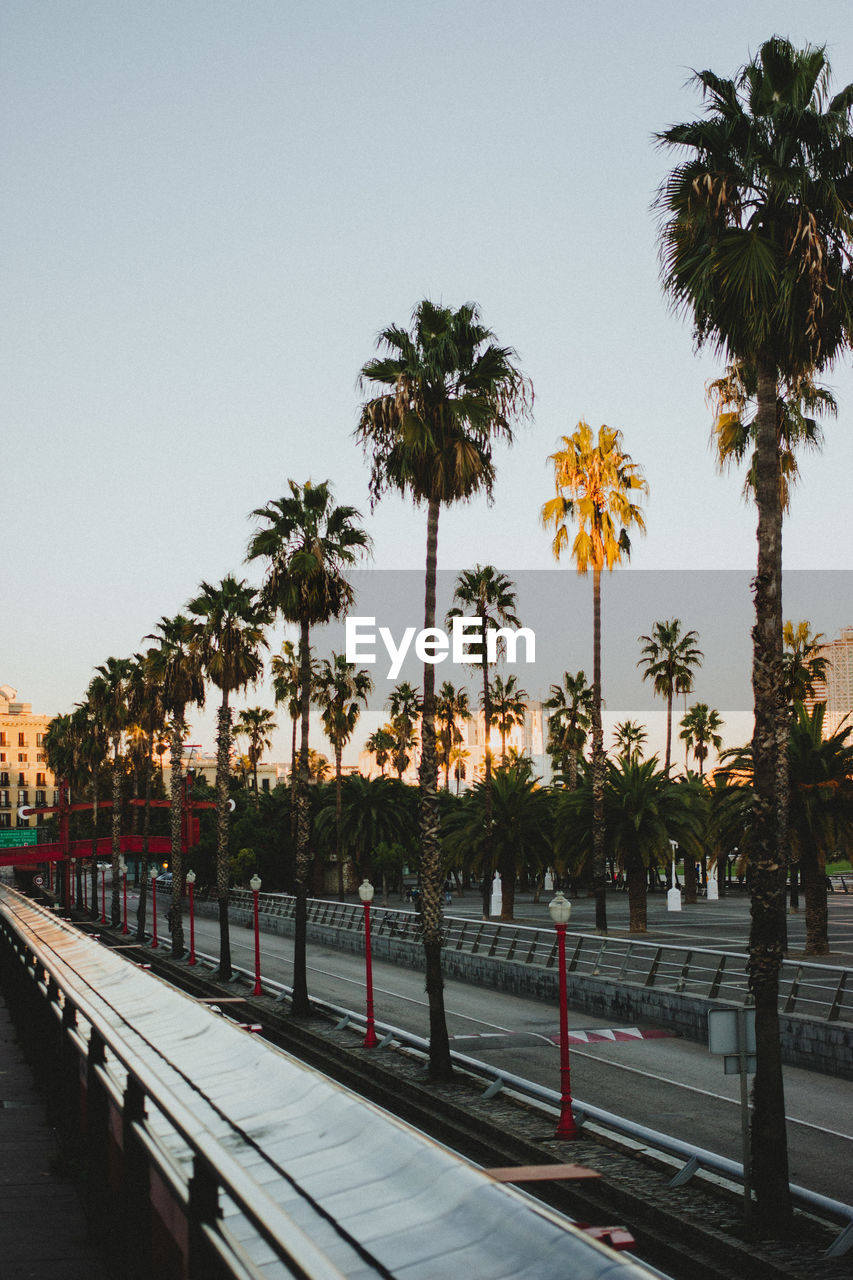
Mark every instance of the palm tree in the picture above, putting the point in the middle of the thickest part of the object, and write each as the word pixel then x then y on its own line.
pixel 629 738
pixel 371 811
pixel 445 392
pixel 803 663
pixel 670 659
pixel 699 730
pixel 643 810
pixel 229 641
pixel 108 696
pixel 569 723
pixel 176 661
pixel 256 724
pixel 756 248
pixel 458 756
pixel 63 756
pixel 484 593
pixel 380 744
pixel 147 714
pixel 94 752
pixel 285 667
pixel 404 708
pixel 596 483
pixel 341 686
pixel 308 542
pixel 451 705
pixel 509 704
pixel 521 829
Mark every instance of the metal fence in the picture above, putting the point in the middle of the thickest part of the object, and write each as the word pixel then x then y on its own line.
pixel 819 991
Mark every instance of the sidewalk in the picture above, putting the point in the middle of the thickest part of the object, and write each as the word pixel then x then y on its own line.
pixel 43 1233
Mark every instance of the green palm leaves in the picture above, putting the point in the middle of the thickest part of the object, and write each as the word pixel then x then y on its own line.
pixel 669 660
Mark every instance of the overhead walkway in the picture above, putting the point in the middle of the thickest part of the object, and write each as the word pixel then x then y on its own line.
pixel 210 1153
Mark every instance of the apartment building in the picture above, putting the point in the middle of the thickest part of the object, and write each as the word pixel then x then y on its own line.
pixel 24 776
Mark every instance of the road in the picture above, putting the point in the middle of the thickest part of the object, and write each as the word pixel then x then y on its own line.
pixel 665 1082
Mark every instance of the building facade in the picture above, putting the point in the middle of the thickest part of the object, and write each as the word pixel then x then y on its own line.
pixel 24 776
pixel 837 690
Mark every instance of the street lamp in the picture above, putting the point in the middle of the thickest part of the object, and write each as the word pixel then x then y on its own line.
pixel 560 909
pixel 122 866
pixel 365 892
pixel 154 868
pixel 190 878
pixel 254 885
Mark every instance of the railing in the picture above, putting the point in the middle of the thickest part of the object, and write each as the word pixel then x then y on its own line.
pixel 819 991
pixel 694 1159
pixel 254 1165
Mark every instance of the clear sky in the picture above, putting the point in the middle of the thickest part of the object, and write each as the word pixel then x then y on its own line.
pixel 210 209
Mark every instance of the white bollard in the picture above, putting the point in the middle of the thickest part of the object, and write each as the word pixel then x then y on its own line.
pixel 673 900
pixel 712 888
pixel 549 882
pixel 497 896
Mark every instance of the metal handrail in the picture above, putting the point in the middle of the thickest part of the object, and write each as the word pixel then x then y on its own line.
pixel 809 988
pixel 695 1158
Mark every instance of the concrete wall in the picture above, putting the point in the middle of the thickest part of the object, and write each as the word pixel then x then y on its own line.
pixel 819 1046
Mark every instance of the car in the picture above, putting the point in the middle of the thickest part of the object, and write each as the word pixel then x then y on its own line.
pixel 164 880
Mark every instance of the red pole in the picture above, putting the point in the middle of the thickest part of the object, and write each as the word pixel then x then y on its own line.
pixel 103 895
pixel 258 990
pixel 192 924
pixel 85 878
pixel 370 1040
pixel 154 941
pixel 124 898
pixel 566 1127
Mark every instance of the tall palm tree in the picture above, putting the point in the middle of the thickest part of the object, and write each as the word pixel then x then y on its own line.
pixel 450 705
pixel 756 249
pixel 341 686
pixel 458 757
pixel 285 668
pixel 699 729
pixel 308 542
pixel 509 704
pixel 404 709
pixel 229 642
pixel 108 696
pixel 670 659
pixel 445 392
pixel 176 660
pixel 94 752
pixel 596 483
pixel 484 593
pixel 629 738
pixel 256 724
pixel 63 756
pixel 570 705
pixel 147 714
pixel 380 744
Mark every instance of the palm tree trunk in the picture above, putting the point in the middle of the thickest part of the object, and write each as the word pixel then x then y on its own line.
pixel 814 892
pixel 637 896
pixel 440 1067
pixel 340 865
pixel 488 854
pixel 300 1003
pixel 175 814
pixel 599 865
pixel 668 759
pixel 115 903
pixel 293 720
pixel 223 746
pixel 94 871
pixel 769 853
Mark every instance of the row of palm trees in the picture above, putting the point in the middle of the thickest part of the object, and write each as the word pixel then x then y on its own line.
pixel 756 232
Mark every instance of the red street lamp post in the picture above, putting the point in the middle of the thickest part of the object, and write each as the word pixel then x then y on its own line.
pixel 190 878
pixel 122 866
pixel 103 895
pixel 255 884
pixel 365 892
pixel 560 910
pixel 154 942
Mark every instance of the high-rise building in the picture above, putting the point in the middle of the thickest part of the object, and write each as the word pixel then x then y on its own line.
pixel 837 690
pixel 24 777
